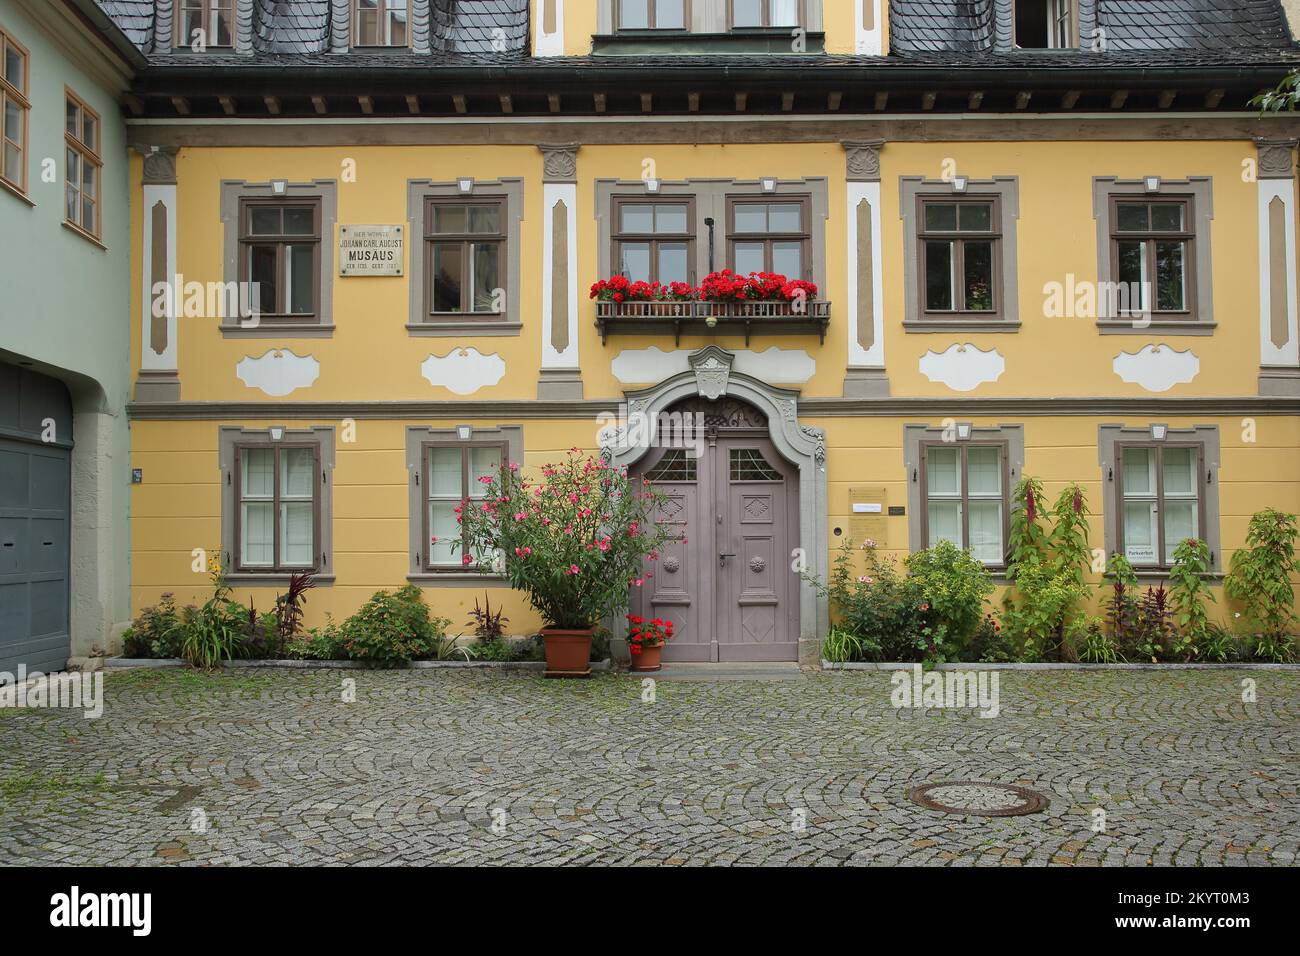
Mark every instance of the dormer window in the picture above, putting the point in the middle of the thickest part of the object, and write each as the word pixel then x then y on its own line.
pixel 380 23
pixel 651 14
pixel 204 23
pixel 765 13
pixel 1043 24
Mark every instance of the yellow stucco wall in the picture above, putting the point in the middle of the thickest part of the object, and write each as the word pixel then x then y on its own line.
pixel 372 357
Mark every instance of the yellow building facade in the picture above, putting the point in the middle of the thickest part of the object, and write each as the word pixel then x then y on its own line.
pixel 975 240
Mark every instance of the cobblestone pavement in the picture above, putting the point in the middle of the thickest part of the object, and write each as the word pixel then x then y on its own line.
pixel 423 764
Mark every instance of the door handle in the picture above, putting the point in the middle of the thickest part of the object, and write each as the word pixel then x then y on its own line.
pixel 723 555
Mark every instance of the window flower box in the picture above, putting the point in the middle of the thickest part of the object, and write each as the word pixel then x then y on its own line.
pixel 724 303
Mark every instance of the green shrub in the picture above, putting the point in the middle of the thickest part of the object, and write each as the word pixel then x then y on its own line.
pixel 1089 641
pixel 842 645
pixel 880 608
pixel 317 644
pixel 1259 578
pixel 1046 569
pixel 953 587
pixel 392 628
pixel 1219 645
pixel 1187 594
pixel 157 632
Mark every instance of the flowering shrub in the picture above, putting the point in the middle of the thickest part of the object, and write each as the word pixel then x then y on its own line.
pixel 642 633
pixel 621 289
pixel 574 542
pixel 723 286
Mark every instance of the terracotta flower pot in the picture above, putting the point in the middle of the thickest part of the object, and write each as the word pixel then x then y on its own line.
pixel 649 658
pixel 568 653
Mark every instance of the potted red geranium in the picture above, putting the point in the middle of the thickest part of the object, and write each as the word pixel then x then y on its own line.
pixel 646 640
pixel 573 541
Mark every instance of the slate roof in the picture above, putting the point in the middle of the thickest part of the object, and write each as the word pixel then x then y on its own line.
pixel 1240 29
pixel 288 46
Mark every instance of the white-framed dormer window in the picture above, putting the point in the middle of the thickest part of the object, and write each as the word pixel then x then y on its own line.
pixel 1044 24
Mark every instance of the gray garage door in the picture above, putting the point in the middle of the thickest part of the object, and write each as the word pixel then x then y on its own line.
pixel 35 481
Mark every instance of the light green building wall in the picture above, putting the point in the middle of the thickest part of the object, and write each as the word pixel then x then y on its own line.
pixel 65 300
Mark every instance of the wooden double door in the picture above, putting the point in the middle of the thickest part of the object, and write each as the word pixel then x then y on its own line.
pixel 725 579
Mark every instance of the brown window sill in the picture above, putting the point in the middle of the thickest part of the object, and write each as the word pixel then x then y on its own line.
pixel 10 187
pixel 89 237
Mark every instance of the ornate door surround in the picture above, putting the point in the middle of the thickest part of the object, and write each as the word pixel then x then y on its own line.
pixel 711 376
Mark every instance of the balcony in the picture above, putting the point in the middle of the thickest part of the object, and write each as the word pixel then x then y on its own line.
pixel 713 318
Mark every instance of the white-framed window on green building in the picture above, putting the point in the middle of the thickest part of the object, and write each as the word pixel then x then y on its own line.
pixel 204 23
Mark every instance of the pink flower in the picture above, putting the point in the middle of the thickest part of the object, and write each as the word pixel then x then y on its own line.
pixel 466 560
pixel 434 539
pixel 520 515
pixel 573 569
pixel 573 498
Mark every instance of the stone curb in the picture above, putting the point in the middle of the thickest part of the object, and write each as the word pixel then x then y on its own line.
pixel 166 662
pixel 977 666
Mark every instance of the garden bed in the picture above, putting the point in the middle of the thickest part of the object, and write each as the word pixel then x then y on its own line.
pixel 1053 666
pixel 161 662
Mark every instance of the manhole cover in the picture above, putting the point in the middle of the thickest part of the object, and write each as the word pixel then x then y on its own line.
pixel 974 798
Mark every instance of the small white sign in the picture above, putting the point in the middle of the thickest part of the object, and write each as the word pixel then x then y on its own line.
pixel 371 250
pixel 859 508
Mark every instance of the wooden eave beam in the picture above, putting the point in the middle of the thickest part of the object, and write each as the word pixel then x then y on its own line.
pixel 975 100
pixel 227 105
pixel 647 102
pixel 693 102
pixel 458 103
pixel 553 102
pixel 599 99
pixel 1022 98
pixel 367 104
pixel 181 105
pixel 741 100
pixel 927 99
pixel 1069 98
pixel 882 100
pixel 787 102
pixel 1213 99
pixel 318 103
pixel 272 104
pixel 507 104
pixel 1117 99
pixel 413 104
pixel 1166 99
pixel 833 100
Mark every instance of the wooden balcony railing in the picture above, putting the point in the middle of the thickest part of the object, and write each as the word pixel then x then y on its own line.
pixel 708 318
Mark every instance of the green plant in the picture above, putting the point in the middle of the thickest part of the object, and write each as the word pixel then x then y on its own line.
pixel 1281 98
pixel 990 643
pixel 156 632
pixel 215 631
pixel 575 542
pixel 394 627
pixel 842 645
pixel 317 644
pixel 1090 642
pixel 496 649
pixel 1068 540
pixel 1187 594
pixel 1259 578
pixel 953 587
pixel 1027 543
pixel 1046 606
pixel 1219 645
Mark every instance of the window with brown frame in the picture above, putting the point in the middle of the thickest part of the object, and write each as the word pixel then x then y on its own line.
pixel 765 13
pixel 452 473
pixel 966 500
pixel 1152 249
pixel 465 256
pixel 277 501
pixel 81 141
pixel 653 239
pixel 769 234
pixel 207 21
pixel 14 107
pixel 1161 492
pixel 651 14
pixel 279 245
pixel 381 23
pixel 960 255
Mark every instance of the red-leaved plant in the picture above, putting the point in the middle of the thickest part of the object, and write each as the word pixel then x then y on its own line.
pixel 574 542
pixel 642 633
